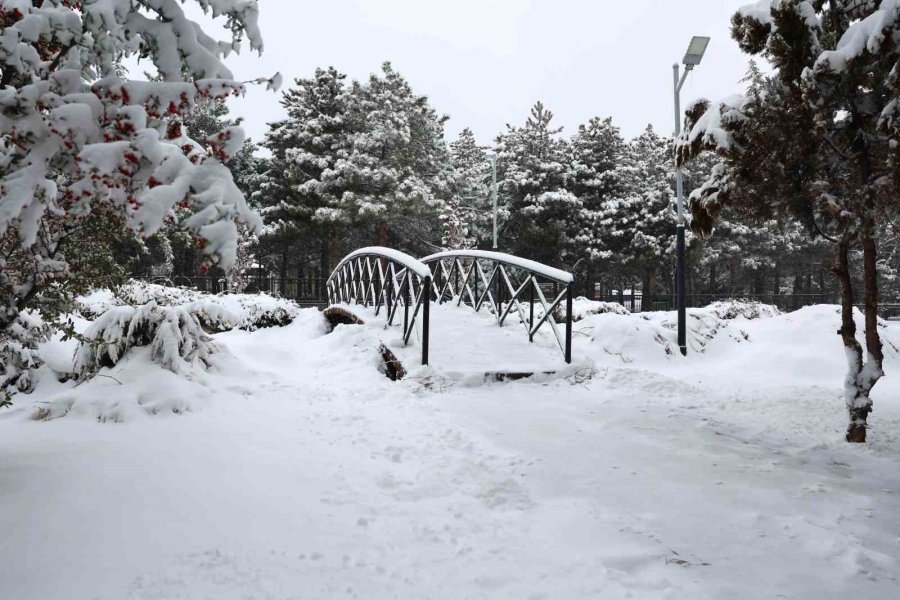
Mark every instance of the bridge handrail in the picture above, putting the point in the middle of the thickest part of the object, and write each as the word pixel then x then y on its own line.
pixel 511 285
pixel 541 269
pixel 396 256
pixel 385 278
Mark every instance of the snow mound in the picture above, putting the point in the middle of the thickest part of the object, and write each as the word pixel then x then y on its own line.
pixel 651 336
pixel 136 388
pixel 582 308
pixel 747 309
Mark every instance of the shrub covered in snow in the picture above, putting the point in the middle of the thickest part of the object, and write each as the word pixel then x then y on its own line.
pixel 732 309
pixel 216 313
pixel 140 292
pixel 174 333
pixel 261 312
pixel 18 353
pixel 582 307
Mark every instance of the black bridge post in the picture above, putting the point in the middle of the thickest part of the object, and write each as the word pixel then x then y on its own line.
pixel 569 324
pixel 426 319
pixel 531 309
pixel 405 311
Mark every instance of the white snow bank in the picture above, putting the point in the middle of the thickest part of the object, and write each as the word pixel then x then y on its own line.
pixel 582 307
pixel 719 475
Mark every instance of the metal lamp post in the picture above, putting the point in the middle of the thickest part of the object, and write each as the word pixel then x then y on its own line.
pixel 493 158
pixel 693 57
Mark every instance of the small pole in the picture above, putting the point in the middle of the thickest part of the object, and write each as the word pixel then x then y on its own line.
pixel 569 324
pixel 426 319
pixel 499 291
pixel 405 312
pixel 494 194
pixel 679 242
pixel 531 310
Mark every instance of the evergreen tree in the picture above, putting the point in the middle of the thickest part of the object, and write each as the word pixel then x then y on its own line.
pixel 544 216
pixel 301 190
pixel 596 176
pixel 637 226
pixel 79 142
pixel 466 216
pixel 816 141
pixel 353 161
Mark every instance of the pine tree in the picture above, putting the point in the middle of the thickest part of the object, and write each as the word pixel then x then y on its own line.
pixel 637 227
pixel 543 215
pixel 596 177
pixel 77 139
pixel 815 142
pixel 302 188
pixel 466 215
pixel 353 158
pixel 396 166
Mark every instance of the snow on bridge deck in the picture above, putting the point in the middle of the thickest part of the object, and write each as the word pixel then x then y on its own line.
pixel 465 343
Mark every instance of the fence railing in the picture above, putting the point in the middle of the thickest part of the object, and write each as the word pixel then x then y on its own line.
pixel 387 279
pixel 638 302
pixel 311 291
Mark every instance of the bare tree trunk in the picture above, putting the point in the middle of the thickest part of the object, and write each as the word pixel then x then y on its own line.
pixel 873 369
pixel 732 274
pixel 861 376
pixel 383 235
pixel 283 269
pixel 335 245
pixel 776 279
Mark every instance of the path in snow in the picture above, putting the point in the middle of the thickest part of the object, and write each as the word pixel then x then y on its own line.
pixel 307 474
pixel 463 342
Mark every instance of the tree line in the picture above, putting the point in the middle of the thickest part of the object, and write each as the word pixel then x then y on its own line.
pixel 358 163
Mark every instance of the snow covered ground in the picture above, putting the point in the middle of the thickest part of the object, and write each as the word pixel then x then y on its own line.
pixel 294 469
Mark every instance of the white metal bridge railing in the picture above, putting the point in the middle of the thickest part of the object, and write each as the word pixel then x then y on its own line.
pixel 506 283
pixel 386 279
pixel 501 283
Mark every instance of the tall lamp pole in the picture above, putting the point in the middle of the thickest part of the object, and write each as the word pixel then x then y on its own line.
pixel 693 57
pixel 493 158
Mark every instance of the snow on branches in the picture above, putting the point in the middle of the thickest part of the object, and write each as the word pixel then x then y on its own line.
pixel 18 352
pixel 815 141
pixel 174 333
pixel 77 139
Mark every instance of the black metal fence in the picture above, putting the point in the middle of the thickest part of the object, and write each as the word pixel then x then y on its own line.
pixel 311 291
pixel 637 302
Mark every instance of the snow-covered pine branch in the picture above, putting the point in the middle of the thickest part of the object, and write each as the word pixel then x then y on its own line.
pixel 77 139
pixel 18 352
pixel 174 333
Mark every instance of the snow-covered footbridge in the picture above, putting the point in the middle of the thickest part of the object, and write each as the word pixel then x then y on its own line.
pixel 449 302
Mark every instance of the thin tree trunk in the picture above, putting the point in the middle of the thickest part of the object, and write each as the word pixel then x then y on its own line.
pixel 861 377
pixel 872 371
pixel 335 245
pixel 283 269
pixel 776 279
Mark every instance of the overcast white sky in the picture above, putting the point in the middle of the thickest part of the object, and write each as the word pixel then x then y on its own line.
pixel 485 62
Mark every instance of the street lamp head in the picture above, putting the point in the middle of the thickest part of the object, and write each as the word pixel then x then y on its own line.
pixel 695 51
